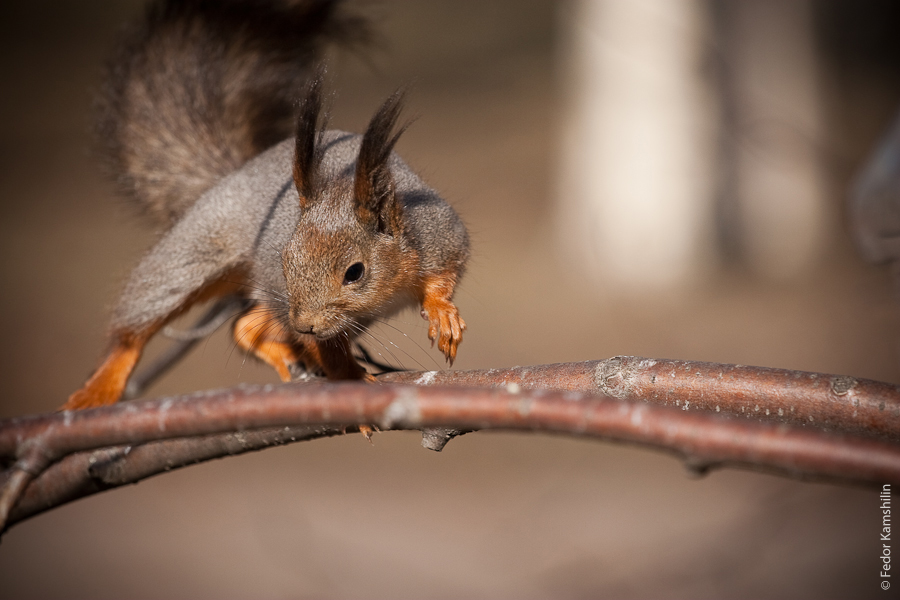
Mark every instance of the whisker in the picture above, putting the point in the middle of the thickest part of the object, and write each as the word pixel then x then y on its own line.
pixel 263 335
pixel 271 245
pixel 385 367
pixel 246 332
pixel 274 294
pixel 371 334
pixel 381 321
pixel 361 330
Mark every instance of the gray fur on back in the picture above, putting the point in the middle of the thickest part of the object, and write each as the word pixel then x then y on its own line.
pixel 245 221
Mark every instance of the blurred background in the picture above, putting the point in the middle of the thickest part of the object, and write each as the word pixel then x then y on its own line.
pixel 657 178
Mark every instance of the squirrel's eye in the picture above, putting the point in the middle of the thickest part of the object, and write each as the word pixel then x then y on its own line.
pixel 355 271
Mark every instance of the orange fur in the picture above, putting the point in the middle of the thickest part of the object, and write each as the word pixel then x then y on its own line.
pixel 108 382
pixel 252 334
pixel 334 357
pixel 444 323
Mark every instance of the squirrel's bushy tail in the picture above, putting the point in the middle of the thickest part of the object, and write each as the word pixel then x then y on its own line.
pixel 201 86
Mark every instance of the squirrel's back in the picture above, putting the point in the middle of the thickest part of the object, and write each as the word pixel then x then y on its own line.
pixel 202 86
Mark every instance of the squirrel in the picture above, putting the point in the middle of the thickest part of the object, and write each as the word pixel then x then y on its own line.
pixel 322 232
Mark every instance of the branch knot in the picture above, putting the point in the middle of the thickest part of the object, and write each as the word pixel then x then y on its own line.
pixel 403 411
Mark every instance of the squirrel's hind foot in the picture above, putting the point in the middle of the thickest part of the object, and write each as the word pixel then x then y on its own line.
pixel 108 382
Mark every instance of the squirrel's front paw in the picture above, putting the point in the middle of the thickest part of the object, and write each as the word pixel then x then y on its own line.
pixel 444 325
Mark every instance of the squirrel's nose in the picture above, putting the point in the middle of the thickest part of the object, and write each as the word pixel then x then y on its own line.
pixel 301 326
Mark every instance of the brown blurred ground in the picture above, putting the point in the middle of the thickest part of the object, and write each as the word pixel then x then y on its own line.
pixel 494 515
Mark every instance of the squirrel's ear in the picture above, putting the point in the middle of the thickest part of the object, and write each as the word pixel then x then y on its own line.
pixel 374 185
pixel 308 147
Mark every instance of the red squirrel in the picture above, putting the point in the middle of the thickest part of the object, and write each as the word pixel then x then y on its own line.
pixel 324 232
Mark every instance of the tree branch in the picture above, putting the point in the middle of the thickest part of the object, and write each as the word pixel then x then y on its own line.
pixel 314 410
pixel 85 473
pixel 826 402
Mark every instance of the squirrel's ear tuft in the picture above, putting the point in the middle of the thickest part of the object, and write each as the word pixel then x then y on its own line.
pixel 308 147
pixel 374 185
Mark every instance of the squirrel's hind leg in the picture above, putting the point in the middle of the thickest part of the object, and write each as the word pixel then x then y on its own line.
pixel 108 382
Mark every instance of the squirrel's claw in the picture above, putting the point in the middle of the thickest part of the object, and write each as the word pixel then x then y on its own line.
pixel 367 431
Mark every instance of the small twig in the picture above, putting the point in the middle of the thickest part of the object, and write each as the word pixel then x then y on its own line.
pixel 436 438
pixel 218 314
pixel 13 488
pixel 184 341
pixel 31 463
pixel 366 357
